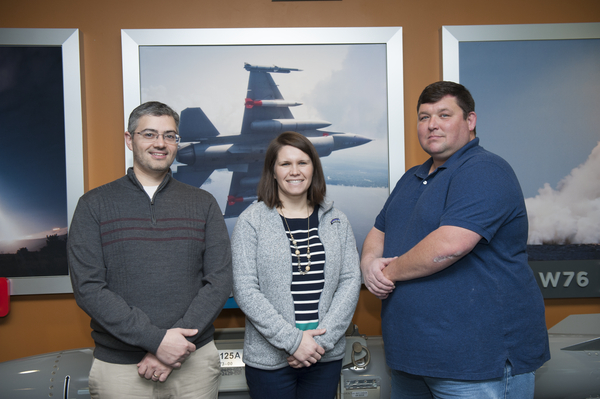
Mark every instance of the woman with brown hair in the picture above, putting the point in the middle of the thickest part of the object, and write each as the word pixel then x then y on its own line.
pixel 296 277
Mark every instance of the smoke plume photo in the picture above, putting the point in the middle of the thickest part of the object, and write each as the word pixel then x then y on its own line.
pixel 537 107
pixel 569 214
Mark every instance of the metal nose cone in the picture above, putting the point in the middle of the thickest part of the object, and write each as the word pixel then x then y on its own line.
pixel 186 155
pixel 346 140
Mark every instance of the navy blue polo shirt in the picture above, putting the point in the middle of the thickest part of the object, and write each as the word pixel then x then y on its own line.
pixel 465 321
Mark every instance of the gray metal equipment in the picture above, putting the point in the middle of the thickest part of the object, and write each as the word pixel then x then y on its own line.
pixel 364 372
pixel 230 343
pixel 574 370
pixel 65 374
pixel 572 373
pixel 51 375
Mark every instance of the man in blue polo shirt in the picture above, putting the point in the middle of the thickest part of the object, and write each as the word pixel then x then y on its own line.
pixel 462 315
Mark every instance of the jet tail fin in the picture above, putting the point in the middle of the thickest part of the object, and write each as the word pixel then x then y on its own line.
pixel 194 125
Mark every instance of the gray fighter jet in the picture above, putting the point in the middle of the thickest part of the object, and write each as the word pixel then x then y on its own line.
pixel 203 149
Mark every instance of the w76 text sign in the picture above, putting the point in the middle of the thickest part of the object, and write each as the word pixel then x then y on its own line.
pixel 568 278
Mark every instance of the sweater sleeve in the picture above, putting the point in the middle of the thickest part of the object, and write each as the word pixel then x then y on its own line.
pixel 345 297
pixel 88 277
pixel 217 275
pixel 248 294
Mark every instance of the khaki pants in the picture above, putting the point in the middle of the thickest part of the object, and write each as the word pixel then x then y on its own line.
pixel 198 378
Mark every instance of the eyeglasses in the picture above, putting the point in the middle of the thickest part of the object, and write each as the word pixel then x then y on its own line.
pixel 169 137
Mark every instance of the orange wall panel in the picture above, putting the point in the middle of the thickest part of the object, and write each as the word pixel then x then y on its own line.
pixel 44 323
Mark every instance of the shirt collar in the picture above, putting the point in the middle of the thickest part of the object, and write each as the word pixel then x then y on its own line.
pixel 422 171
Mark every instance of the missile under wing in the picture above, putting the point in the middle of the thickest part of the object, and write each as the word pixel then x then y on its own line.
pixel 266 115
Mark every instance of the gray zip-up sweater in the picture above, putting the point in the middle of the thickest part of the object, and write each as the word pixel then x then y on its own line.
pixel 262 278
pixel 140 266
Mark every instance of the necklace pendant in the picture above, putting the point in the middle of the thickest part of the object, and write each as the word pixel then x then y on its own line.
pixel 298 252
pixel 307 268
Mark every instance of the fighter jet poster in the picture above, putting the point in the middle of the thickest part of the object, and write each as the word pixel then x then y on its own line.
pixel 234 100
pixel 537 107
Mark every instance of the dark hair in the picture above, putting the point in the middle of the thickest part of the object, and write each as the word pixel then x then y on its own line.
pixel 438 90
pixel 153 108
pixel 267 189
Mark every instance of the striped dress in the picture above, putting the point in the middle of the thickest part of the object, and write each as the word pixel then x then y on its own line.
pixel 306 288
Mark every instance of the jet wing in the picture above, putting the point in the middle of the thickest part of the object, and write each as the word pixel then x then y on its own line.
pixel 192 176
pixel 261 86
pixel 242 191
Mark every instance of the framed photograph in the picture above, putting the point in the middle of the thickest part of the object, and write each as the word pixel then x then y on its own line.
pixel 41 122
pixel 237 89
pixel 537 90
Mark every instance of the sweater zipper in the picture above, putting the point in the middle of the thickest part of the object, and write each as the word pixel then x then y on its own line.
pixel 152 207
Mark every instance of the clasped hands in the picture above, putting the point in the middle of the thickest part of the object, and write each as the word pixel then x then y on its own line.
pixel 373 270
pixel 171 353
pixel 309 352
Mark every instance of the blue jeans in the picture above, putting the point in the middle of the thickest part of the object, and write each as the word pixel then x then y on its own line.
pixel 408 386
pixel 318 381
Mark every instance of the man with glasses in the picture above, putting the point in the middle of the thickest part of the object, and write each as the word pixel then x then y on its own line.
pixel 150 263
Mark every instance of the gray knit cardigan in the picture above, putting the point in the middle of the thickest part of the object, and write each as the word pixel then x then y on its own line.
pixel 262 278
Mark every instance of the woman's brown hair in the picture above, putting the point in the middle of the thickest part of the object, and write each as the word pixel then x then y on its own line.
pixel 267 189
